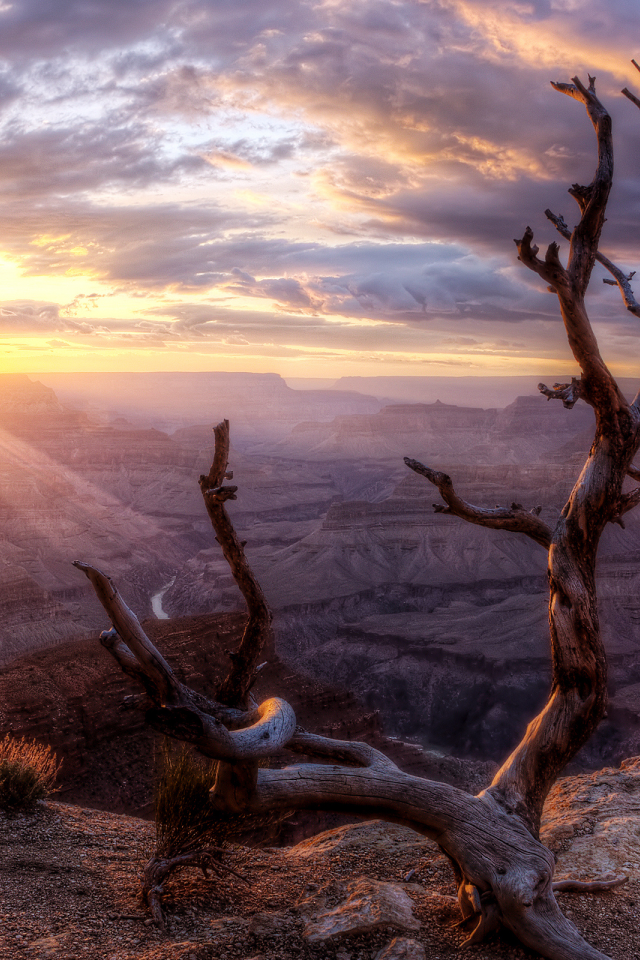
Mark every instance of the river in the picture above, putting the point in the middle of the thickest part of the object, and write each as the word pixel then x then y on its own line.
pixel 156 601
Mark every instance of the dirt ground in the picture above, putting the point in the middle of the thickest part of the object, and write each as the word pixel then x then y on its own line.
pixel 70 880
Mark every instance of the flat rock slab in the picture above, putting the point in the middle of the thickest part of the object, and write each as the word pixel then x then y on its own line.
pixel 402 949
pixel 592 823
pixel 368 905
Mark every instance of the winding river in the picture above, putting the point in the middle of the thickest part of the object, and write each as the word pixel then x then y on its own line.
pixel 156 601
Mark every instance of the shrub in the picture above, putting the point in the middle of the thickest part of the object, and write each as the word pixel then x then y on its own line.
pixel 185 817
pixel 28 772
pixel 186 820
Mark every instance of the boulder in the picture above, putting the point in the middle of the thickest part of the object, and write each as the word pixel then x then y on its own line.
pixel 267 924
pixel 371 835
pixel 592 823
pixel 402 949
pixel 365 905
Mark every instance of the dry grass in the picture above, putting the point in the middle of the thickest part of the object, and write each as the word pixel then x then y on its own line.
pixel 185 817
pixel 186 820
pixel 28 772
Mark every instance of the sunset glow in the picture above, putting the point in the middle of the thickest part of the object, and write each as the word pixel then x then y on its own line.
pixel 314 189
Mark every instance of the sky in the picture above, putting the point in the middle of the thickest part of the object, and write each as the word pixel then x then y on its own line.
pixel 316 189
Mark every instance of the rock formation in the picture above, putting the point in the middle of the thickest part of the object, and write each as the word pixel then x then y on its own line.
pixel 70 698
pixel 369 584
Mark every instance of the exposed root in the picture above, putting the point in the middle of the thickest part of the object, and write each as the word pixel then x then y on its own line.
pixel 488 923
pixel 482 909
pixel 587 886
pixel 158 869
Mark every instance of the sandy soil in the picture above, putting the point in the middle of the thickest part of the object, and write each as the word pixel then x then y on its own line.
pixel 70 879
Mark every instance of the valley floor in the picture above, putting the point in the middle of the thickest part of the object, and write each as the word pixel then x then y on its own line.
pixel 70 878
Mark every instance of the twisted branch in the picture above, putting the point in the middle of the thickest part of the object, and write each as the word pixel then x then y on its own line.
pixel 587 886
pixel 591 199
pixel 515 519
pixel 598 387
pixel 622 280
pixel 158 869
pixel 569 393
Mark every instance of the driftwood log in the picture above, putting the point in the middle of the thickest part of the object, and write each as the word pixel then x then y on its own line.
pixel 504 874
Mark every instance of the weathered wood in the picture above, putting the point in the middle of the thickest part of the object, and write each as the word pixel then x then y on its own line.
pixel 494 850
pixel 235 688
pixel 578 697
pixel 588 886
pixel 127 626
pixel 504 874
pixel 158 869
pixel 569 393
pixel 627 92
pixel 267 730
pixel 621 280
pixel 515 519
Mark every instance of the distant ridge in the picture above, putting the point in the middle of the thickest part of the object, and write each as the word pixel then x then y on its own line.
pixel 462 391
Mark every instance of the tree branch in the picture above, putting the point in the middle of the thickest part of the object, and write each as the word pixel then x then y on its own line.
pixel 158 869
pixel 588 886
pixel 516 519
pixel 599 388
pixel 345 751
pixel 235 689
pixel 550 269
pixel 136 642
pixel 569 393
pixel 268 729
pixel 591 199
pixel 140 659
pixel 627 92
pixel 628 501
pixel 622 280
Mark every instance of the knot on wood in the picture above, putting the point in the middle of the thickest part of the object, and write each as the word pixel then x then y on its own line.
pixel 221 494
pixel 581 194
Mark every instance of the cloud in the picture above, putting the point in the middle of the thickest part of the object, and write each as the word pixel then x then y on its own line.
pixel 55 161
pixel 317 173
pixel 43 28
pixel 150 246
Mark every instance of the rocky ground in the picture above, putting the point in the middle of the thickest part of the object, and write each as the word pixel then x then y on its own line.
pixel 70 880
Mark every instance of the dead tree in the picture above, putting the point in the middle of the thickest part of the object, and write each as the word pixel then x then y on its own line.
pixel 504 874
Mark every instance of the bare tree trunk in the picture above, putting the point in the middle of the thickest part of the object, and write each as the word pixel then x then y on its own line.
pixel 504 873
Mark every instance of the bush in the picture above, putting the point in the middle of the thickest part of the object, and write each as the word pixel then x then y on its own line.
pixel 28 772
pixel 185 817
pixel 186 820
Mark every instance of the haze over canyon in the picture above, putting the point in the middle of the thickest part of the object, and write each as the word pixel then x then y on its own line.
pixel 440 625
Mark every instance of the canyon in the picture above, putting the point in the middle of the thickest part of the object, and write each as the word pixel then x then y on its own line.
pixel 438 625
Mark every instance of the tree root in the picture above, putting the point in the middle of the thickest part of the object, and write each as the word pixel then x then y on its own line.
pixel 481 908
pixel 158 870
pixel 483 911
pixel 587 886
pixel 489 922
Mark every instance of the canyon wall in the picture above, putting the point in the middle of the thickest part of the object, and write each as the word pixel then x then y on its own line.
pixel 439 624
